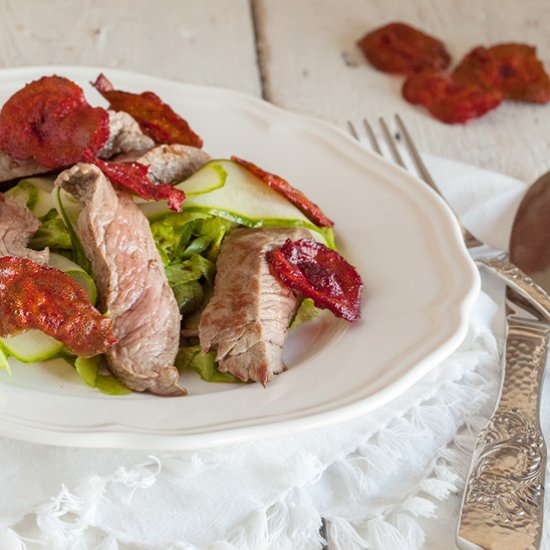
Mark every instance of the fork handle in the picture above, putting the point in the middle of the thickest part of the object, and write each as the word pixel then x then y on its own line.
pixel 504 495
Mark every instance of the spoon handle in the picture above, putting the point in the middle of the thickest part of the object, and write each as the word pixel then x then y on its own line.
pixel 503 501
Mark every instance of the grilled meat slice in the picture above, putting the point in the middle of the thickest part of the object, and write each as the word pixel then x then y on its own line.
pixel 169 163
pixel 246 320
pixel 17 225
pixel 125 136
pixel 131 281
pixel 11 169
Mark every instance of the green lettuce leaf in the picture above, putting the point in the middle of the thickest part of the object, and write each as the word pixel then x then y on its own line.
pixel 183 278
pixel 180 236
pixel 305 312
pixel 204 364
pixel 88 369
pixel 173 232
pixel 52 233
pixel 209 234
pixel 189 243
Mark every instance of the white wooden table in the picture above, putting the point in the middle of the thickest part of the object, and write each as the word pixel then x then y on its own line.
pixel 300 55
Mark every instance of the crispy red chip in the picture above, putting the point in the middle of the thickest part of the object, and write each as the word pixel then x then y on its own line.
pixel 425 86
pixel 50 122
pixel 44 298
pixel 447 100
pixel 512 68
pixel 155 118
pixel 295 196
pixel 318 273
pixel 133 177
pixel 400 48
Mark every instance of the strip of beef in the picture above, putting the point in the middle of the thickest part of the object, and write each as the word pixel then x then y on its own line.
pixel 131 282
pixel 169 163
pixel 125 137
pixel 17 225
pixel 246 320
pixel 11 169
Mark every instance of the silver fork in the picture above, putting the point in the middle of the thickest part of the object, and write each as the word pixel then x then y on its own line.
pixel 528 293
pixel 482 524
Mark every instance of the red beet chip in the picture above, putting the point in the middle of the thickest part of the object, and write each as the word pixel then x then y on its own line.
pixel 133 177
pixel 447 100
pixel 512 68
pixel 477 67
pixel 155 118
pixel 44 298
pixel 318 273
pixel 426 86
pixel 50 122
pixel 295 196
pixel 400 48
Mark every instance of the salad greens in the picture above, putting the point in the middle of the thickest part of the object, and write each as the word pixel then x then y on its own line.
pixel 89 369
pixel 221 196
pixel 53 234
pixel 204 364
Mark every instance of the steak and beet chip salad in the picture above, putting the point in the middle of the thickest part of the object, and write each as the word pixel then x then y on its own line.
pixel 130 253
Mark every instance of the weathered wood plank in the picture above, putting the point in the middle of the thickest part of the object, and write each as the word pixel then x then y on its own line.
pixel 207 42
pixel 312 65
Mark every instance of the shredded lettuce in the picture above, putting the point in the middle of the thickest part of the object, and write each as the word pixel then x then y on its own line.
pixel 25 193
pixel 89 370
pixel 172 234
pixel 189 244
pixel 183 278
pixel 204 364
pixel 52 233
pixel 305 312
pixel 180 236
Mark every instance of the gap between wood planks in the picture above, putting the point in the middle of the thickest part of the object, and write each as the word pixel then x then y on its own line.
pixel 257 13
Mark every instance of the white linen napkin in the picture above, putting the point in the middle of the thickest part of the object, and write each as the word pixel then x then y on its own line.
pixel 380 479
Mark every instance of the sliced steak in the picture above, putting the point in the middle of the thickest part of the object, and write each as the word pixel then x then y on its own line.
pixel 125 136
pixel 247 319
pixel 170 163
pixel 17 225
pixel 11 169
pixel 131 282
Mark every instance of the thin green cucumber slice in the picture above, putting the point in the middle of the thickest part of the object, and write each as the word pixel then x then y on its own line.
pixel 35 194
pixel 88 368
pixel 4 361
pixel 208 178
pixel 68 209
pixel 31 346
pixel 75 272
pixel 247 200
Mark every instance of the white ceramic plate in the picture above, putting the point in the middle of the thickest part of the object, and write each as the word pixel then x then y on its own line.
pixel 419 288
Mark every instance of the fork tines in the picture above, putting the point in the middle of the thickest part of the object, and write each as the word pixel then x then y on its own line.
pixel 395 142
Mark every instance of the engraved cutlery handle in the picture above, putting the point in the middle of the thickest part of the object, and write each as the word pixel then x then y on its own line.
pixel 504 495
pixel 521 283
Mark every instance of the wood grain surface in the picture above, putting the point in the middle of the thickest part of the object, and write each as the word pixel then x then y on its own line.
pixel 205 42
pixel 312 65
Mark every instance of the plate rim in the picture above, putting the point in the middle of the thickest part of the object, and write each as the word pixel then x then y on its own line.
pixel 130 439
